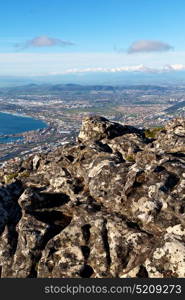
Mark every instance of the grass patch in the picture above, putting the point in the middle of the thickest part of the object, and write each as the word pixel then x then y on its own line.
pixel 130 158
pixel 152 132
pixel 8 178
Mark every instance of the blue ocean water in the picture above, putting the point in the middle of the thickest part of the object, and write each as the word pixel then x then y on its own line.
pixel 8 139
pixel 12 124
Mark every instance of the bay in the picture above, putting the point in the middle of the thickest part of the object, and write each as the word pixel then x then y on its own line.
pixel 13 124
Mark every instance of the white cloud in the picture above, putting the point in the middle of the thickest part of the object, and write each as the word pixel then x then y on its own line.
pixel 107 70
pixel 175 67
pixel 44 41
pixel 26 64
pixel 137 68
pixel 148 46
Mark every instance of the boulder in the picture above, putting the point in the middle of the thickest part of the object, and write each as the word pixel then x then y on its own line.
pixel 110 205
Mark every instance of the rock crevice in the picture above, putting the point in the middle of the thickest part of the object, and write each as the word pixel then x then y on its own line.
pixel 110 205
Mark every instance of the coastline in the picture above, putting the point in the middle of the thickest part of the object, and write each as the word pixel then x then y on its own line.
pixel 22 132
pixel 17 114
pixel 23 116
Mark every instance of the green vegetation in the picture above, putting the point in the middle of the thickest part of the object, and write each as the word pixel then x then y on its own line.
pixel 8 178
pixel 24 174
pixel 133 115
pixel 152 132
pixel 130 158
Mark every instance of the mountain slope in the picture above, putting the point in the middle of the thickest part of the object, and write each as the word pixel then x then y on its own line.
pixel 110 205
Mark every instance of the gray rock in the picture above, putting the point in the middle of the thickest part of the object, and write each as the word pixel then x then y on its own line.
pixel 111 205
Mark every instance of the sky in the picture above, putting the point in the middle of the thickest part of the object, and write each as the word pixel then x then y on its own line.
pixel 42 37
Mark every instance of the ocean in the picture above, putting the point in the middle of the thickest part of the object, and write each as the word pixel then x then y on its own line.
pixel 13 124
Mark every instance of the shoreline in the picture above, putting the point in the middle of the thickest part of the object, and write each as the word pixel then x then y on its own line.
pixel 19 134
pixel 15 114
pixel 23 116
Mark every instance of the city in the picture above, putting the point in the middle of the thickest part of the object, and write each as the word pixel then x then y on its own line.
pixel 63 107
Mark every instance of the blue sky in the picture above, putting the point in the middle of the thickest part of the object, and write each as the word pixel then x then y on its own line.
pixel 50 37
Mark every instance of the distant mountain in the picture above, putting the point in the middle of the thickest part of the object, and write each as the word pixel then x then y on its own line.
pixel 52 89
pixel 99 78
pixel 11 81
pixel 176 107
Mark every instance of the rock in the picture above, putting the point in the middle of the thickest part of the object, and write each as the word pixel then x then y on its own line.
pixel 96 128
pixel 110 205
pixel 168 259
pixel 36 161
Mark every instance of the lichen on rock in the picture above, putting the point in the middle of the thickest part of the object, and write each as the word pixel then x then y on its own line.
pixel 110 205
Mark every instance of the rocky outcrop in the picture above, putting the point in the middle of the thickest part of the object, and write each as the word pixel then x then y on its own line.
pixel 110 205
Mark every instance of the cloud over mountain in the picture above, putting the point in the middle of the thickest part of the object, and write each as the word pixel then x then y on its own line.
pixel 134 68
pixel 65 62
pixel 174 67
pixel 148 46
